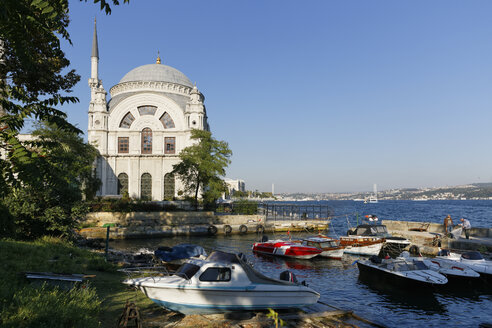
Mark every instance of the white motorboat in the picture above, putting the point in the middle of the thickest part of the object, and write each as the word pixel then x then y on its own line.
pixel 401 271
pixel 453 270
pixel 474 260
pixel 223 282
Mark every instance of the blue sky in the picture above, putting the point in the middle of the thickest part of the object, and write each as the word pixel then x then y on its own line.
pixel 317 96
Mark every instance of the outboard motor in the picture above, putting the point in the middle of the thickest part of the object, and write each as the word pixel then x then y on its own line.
pixel 288 276
pixel 264 238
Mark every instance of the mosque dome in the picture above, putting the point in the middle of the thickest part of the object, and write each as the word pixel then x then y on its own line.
pixel 156 73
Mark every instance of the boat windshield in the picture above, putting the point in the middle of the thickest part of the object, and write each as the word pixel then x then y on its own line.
pixel 472 256
pixel 218 256
pixel 331 243
pixel 187 270
pixel 372 230
pixel 406 266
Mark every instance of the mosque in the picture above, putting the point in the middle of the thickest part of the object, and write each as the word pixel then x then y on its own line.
pixel 141 130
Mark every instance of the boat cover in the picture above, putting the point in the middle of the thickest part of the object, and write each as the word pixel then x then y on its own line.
pixel 179 252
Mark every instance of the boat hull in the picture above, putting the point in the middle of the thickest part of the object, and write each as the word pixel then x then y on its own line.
pixel 371 273
pixel 291 250
pixel 335 254
pixel 188 300
pixel 361 245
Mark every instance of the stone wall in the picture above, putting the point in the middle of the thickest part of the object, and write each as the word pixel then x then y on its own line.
pixel 431 227
pixel 164 224
pixel 167 218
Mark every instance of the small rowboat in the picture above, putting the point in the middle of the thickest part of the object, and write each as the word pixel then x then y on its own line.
pixel 286 249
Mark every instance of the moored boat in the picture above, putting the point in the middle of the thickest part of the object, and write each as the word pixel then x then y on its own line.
pixel 286 248
pixel 330 247
pixel 454 271
pixel 396 244
pixel 360 245
pixel 400 271
pixel 223 282
pixel 473 259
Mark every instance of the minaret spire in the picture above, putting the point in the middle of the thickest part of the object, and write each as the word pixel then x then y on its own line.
pixel 95 57
pixel 95 48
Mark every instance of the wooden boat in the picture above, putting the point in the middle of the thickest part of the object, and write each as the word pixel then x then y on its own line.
pixel 397 244
pixel 286 248
pixel 223 282
pixel 361 245
pixel 400 271
pixel 330 247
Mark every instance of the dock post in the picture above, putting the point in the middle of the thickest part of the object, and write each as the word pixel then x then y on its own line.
pixel 106 251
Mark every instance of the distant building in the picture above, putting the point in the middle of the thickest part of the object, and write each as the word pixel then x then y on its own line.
pixel 235 185
pixel 142 129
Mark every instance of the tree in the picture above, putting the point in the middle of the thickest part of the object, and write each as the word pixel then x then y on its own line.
pixel 53 207
pixel 203 164
pixel 65 163
pixel 34 79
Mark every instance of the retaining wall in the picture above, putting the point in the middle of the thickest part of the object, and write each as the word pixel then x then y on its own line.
pixel 163 224
pixel 431 227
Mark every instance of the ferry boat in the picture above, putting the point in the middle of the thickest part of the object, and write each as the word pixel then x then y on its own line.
pixel 223 282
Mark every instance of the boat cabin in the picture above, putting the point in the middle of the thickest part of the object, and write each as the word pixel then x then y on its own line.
pixel 221 267
pixel 321 243
pixel 378 230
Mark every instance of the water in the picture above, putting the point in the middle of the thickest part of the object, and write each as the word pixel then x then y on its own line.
pixel 338 281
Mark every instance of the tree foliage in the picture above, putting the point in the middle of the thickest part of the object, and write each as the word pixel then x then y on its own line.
pixel 34 79
pixel 203 164
pixel 53 207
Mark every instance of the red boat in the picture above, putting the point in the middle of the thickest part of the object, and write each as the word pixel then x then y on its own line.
pixel 286 248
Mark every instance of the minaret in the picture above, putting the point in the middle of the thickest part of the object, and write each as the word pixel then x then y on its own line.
pixel 195 111
pixel 98 113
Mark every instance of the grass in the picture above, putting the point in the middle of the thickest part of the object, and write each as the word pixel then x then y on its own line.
pixel 23 304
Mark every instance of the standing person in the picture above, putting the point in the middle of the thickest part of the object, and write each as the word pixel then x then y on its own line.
pixel 448 224
pixel 466 226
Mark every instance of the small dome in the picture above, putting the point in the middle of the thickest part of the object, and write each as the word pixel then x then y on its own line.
pixel 156 72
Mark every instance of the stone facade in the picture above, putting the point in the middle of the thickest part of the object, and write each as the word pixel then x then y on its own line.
pixel 141 130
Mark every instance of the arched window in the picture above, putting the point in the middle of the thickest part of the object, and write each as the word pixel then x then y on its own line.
pixel 122 183
pixel 146 141
pixel 167 121
pixel 146 187
pixel 127 121
pixel 169 186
